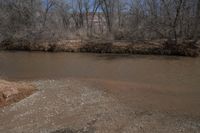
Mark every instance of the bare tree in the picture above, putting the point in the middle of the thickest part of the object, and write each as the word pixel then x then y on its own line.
pixel 132 19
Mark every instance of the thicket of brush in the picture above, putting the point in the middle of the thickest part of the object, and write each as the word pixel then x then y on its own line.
pixel 30 25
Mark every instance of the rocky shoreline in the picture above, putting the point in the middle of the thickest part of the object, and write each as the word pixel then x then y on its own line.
pixel 156 47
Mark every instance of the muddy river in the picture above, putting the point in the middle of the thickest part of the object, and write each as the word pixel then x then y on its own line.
pixel 153 70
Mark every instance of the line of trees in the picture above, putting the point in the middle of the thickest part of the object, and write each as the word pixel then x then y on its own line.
pixel 116 19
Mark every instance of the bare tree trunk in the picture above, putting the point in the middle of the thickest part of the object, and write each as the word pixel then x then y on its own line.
pixel 87 13
pixel 178 9
pixel 197 21
pixel 107 10
pixel 96 5
pixel 80 14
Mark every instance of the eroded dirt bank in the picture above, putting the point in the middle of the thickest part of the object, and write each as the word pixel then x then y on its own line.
pixel 88 106
pixel 11 92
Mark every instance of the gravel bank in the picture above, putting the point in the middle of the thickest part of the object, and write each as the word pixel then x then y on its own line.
pixel 72 106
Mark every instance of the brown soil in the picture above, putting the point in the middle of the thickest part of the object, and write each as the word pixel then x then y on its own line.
pixel 11 92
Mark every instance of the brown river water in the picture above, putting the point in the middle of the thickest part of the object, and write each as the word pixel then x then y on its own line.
pixel 159 83
pixel 155 70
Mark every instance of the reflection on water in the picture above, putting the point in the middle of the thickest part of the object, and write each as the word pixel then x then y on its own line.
pixel 159 70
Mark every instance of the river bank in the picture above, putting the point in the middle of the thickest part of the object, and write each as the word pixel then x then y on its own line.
pixel 156 47
pixel 88 106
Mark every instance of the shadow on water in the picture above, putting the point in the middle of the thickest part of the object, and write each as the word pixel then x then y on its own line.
pixel 128 56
